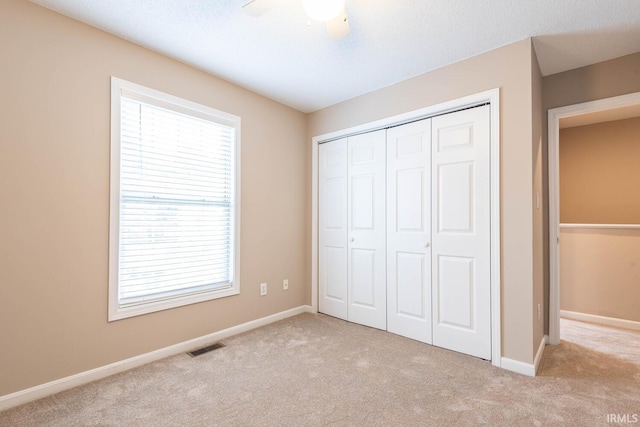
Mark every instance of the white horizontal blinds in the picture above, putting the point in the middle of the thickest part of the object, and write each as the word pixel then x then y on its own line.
pixel 176 204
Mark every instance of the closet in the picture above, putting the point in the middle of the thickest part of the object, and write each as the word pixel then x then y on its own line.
pixel 404 230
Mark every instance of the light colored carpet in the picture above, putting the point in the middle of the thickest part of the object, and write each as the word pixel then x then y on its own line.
pixel 317 370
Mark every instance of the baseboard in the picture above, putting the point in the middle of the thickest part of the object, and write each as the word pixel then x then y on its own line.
pixel 536 361
pixel 527 369
pixel 43 390
pixel 602 320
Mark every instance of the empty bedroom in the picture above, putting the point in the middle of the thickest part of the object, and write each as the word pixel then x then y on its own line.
pixel 303 212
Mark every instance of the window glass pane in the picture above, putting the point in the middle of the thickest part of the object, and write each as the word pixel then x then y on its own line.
pixel 176 204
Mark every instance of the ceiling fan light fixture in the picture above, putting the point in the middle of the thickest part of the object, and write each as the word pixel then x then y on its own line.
pixel 323 10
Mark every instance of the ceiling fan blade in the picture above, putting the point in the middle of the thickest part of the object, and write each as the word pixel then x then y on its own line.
pixel 338 27
pixel 260 7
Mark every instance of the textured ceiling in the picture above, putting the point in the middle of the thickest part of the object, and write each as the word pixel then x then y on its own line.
pixel 282 57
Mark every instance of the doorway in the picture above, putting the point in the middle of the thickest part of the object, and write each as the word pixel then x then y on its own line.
pixel 585 113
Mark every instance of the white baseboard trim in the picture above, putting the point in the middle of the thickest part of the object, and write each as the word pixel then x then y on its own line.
pixel 602 320
pixel 527 369
pixel 47 389
pixel 543 343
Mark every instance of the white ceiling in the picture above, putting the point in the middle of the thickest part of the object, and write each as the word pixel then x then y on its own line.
pixel 280 56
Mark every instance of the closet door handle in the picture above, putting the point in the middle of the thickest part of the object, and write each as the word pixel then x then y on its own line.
pixel 427 244
pixel 352 239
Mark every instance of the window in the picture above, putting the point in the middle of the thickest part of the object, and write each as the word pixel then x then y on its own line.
pixel 174 225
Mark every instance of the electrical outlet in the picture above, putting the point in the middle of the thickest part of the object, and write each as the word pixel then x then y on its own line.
pixel 538 311
pixel 285 284
pixel 263 289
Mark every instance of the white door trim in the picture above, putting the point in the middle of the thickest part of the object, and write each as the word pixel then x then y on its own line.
pixel 555 115
pixel 493 97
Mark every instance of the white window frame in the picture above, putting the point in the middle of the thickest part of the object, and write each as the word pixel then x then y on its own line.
pixel 170 102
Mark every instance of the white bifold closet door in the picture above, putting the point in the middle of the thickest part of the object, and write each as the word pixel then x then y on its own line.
pixel 352 249
pixel 404 230
pixel 409 230
pixel 367 249
pixel 461 232
pixel 332 228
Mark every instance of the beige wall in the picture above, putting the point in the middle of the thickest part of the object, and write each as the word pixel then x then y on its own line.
pixel 538 207
pixel 510 69
pixel 602 80
pixel 54 192
pixel 606 79
pixel 600 272
pixel 599 181
pixel 599 174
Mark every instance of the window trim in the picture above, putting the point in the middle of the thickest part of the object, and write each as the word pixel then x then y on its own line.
pixel 174 103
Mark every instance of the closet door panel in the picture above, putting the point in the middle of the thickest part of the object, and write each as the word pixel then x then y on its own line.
pixel 409 230
pixel 461 232
pixel 332 228
pixel 366 225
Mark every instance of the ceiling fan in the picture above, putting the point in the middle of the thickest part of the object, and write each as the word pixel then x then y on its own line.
pixel 331 12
